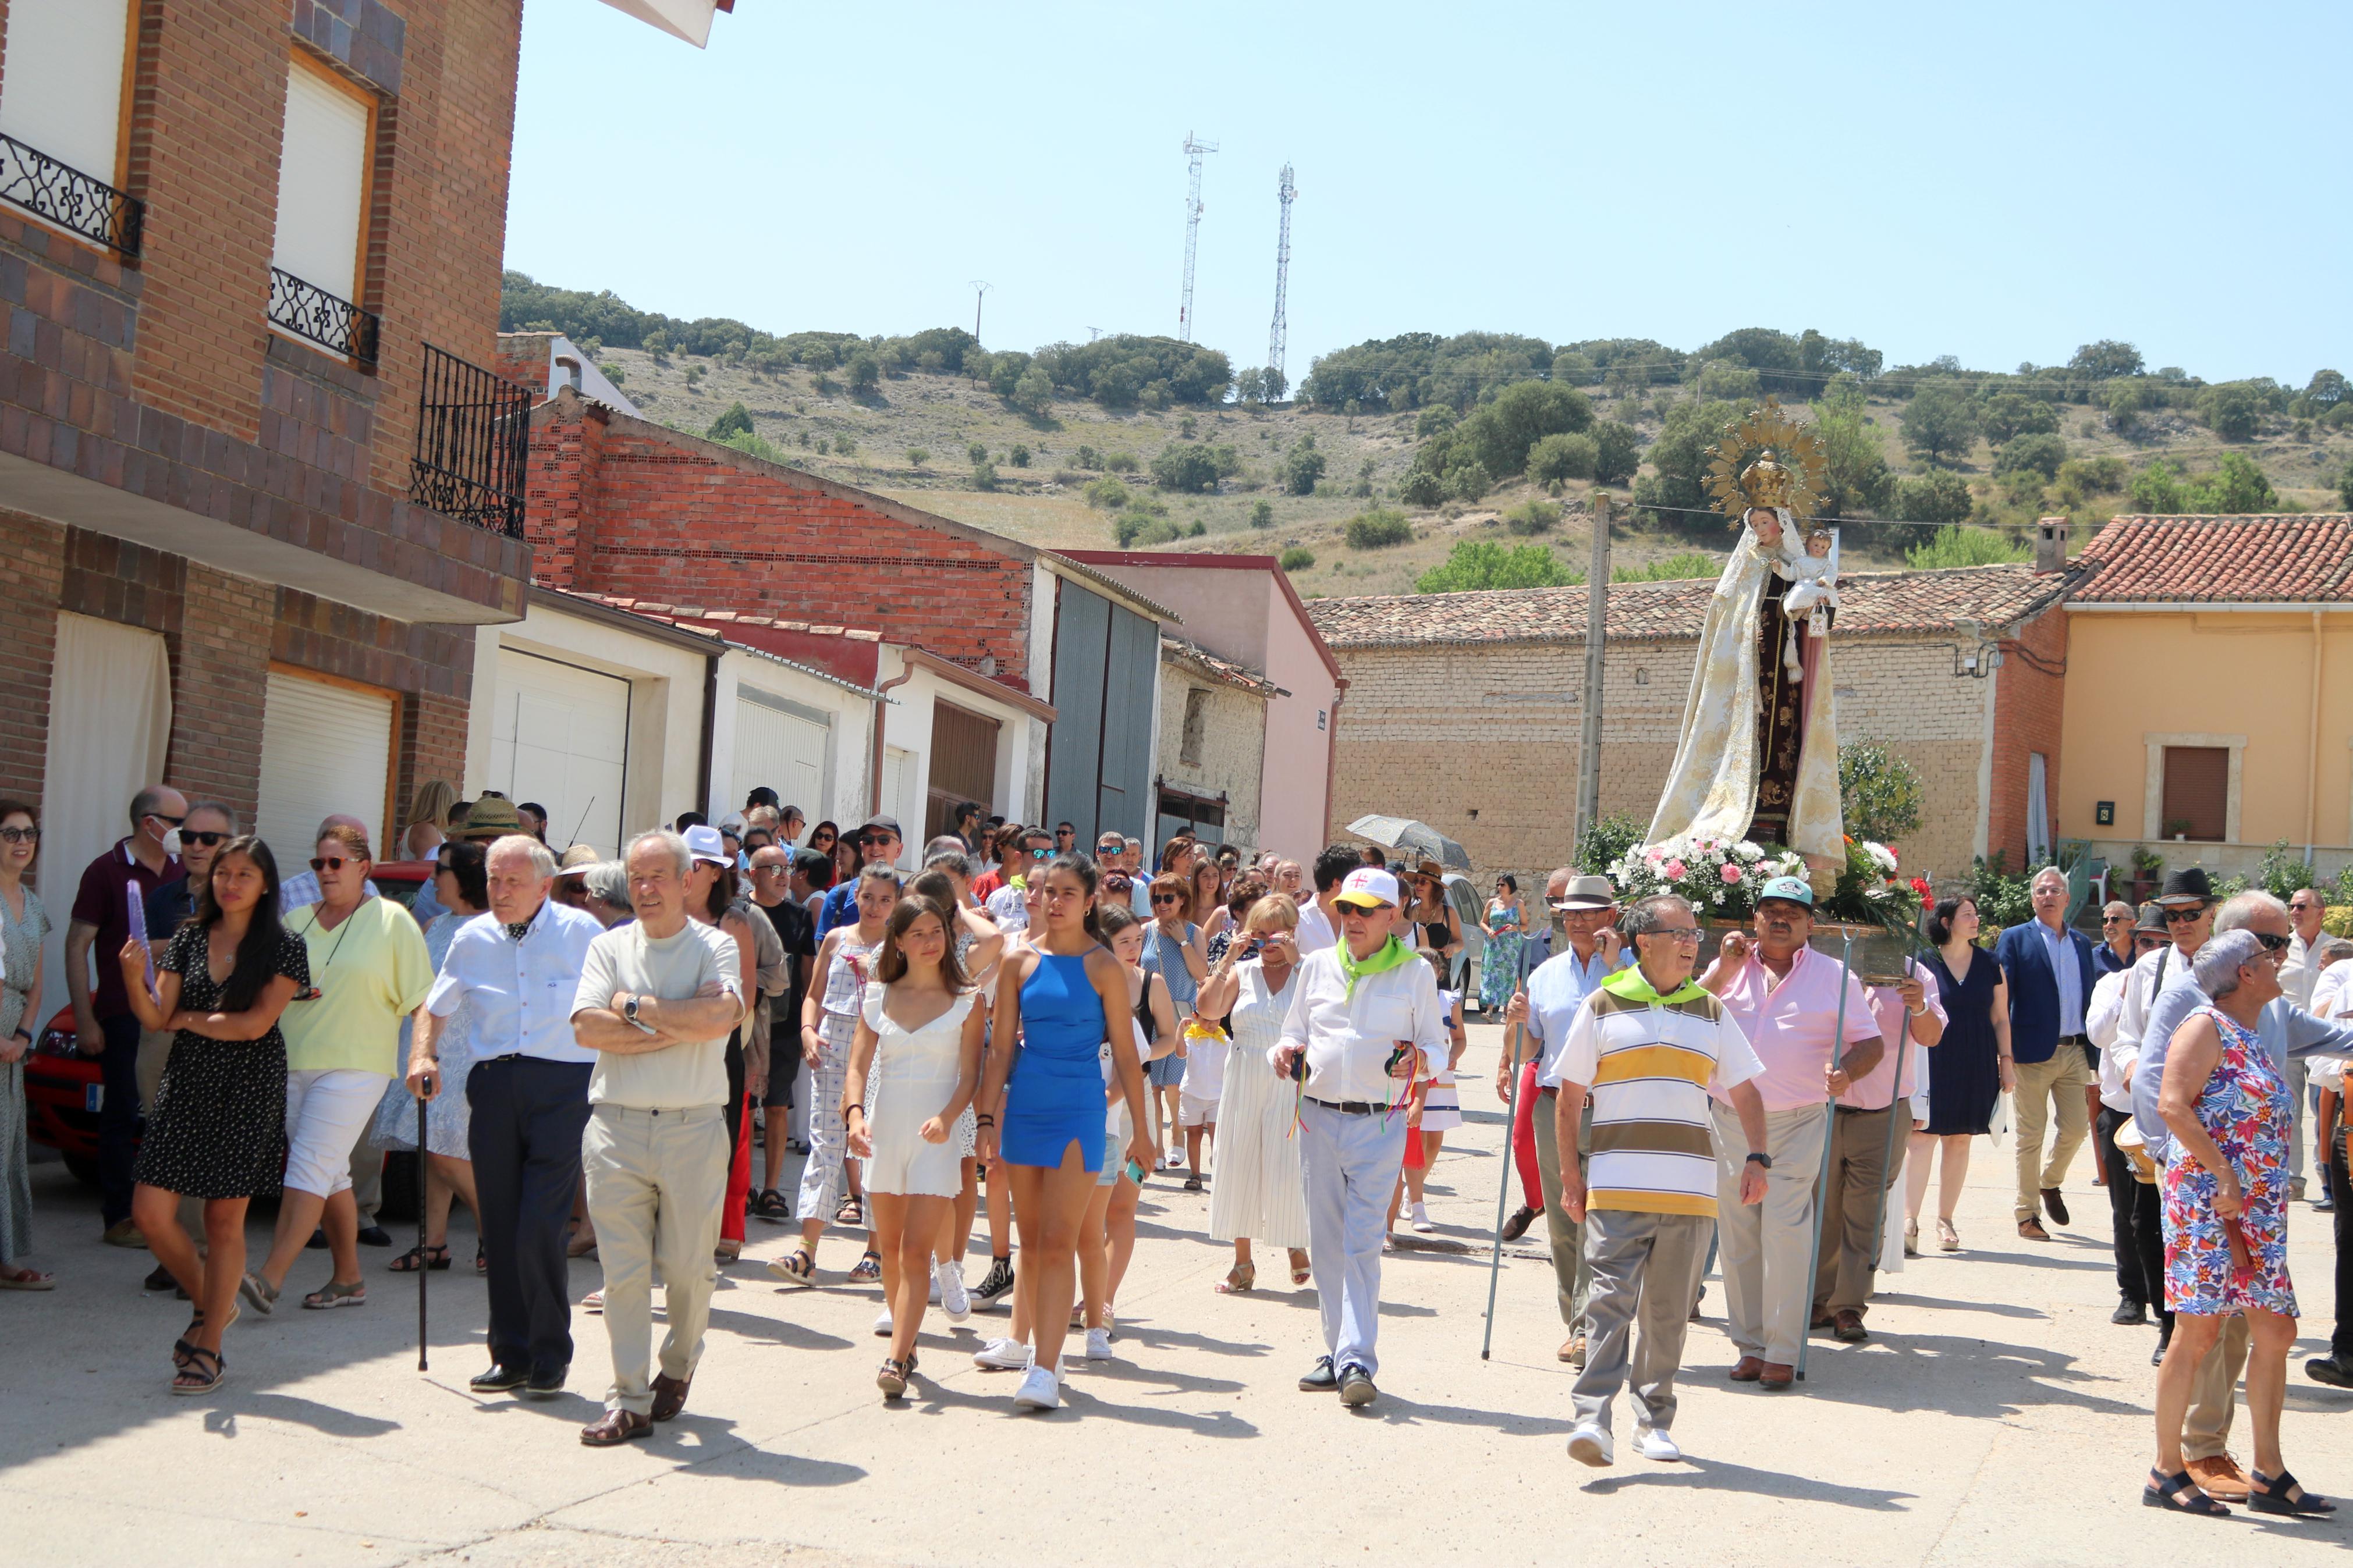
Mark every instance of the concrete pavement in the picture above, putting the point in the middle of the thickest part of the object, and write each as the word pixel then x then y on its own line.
pixel 1995 1415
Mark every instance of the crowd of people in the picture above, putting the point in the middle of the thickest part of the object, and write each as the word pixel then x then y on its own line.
pixel 585 1053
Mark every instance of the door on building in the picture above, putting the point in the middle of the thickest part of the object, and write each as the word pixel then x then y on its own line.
pixel 560 739
pixel 1180 809
pixel 326 750
pixel 1106 679
pixel 784 746
pixel 963 766
pixel 109 728
pixel 2197 791
pixel 898 777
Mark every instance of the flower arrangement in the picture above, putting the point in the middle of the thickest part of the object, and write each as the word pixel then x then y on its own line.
pixel 1720 877
pixel 1872 891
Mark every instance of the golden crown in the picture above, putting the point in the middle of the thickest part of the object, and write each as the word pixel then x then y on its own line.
pixel 1768 459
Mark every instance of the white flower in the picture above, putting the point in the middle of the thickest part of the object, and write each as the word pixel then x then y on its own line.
pixel 1748 851
pixel 1881 855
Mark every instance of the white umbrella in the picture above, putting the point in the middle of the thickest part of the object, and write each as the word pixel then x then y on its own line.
pixel 1414 837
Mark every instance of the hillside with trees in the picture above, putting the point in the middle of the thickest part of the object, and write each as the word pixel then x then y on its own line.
pixel 1397 453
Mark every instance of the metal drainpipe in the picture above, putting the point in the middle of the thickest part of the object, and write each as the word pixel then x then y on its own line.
pixel 710 726
pixel 874 777
pixel 2311 745
pixel 1332 759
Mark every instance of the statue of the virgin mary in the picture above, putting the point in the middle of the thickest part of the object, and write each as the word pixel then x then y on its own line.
pixel 1757 758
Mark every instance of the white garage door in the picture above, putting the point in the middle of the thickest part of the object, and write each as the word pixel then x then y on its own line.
pixel 325 749
pixel 560 737
pixel 780 744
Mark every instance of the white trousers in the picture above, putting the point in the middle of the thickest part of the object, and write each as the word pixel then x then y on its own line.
pixel 327 1109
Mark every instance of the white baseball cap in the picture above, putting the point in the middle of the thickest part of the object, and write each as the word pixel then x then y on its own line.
pixel 1368 888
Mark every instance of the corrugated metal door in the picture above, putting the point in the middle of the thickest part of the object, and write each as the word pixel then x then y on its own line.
pixel 963 766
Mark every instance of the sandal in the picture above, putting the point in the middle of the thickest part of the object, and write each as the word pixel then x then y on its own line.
pixel 181 1347
pixel 1239 1278
pixel 191 1379
pixel 434 1258
pixel 2271 1494
pixel 26 1280
pixel 770 1204
pixel 869 1268
pixel 1192 1183
pixel 1300 1273
pixel 259 1291
pixel 335 1293
pixel 727 1251
pixel 795 1268
pixel 1948 1238
pixel 850 1212
pixel 891 1377
pixel 1911 1239
pixel 482 1264
pixel 2179 1493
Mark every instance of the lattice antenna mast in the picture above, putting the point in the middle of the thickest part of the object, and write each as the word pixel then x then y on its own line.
pixel 1194 151
pixel 1284 191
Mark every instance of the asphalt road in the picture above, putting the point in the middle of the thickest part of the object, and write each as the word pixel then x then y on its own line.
pixel 1995 1415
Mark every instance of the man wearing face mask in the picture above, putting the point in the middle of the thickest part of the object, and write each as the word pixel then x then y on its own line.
pixel 104 1026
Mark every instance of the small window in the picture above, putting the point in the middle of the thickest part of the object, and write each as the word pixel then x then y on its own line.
pixel 322 181
pixel 2197 791
pixel 62 94
pixel 1197 727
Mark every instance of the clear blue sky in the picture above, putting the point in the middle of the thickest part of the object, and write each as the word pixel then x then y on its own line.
pixel 1995 180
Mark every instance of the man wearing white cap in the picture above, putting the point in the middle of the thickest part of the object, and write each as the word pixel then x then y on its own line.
pixel 1365 1022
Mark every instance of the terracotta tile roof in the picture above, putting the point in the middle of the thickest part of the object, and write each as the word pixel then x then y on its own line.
pixel 1873 604
pixel 1177 650
pixel 2273 558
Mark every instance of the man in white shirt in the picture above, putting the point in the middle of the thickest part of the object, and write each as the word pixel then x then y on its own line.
pixel 2305 909
pixel 1365 1022
pixel 516 970
pixel 2134 1207
pixel 657 999
pixel 1318 919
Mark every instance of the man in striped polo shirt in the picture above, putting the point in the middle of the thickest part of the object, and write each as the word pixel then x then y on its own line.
pixel 1652 1047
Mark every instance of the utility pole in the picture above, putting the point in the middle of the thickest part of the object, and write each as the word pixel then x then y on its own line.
pixel 980 287
pixel 1596 615
pixel 1277 340
pixel 1194 151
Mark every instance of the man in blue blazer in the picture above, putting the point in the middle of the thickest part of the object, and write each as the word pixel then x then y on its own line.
pixel 2048 968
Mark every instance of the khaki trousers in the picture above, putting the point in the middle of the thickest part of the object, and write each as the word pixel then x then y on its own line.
pixel 1851 1217
pixel 1572 1276
pixel 2041 1085
pixel 656 1179
pixel 1762 1248
pixel 2206 1429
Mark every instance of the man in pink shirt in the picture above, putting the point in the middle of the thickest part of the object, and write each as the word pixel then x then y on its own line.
pixel 1861 1172
pixel 1785 997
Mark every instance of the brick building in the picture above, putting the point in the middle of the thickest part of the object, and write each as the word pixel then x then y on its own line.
pixel 1466 709
pixel 642 514
pixel 247 250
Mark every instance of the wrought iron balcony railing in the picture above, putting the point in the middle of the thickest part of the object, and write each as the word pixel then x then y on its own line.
pixel 473 434
pixel 310 312
pixel 71 199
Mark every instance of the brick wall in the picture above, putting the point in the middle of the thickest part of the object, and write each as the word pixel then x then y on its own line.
pixel 617 506
pixel 33 564
pixel 219 673
pixel 1483 743
pixel 2028 705
pixel 523 358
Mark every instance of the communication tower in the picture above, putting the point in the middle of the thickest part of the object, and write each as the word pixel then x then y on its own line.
pixel 1284 191
pixel 1194 151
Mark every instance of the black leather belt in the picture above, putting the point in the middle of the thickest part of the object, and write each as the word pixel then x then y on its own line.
pixel 1349 1107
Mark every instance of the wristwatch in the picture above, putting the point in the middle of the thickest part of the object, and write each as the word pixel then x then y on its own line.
pixel 1758 1157
pixel 630 1009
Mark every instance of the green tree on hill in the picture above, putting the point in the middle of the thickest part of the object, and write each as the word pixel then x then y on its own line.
pixel 1617 452
pixel 1303 466
pixel 1940 423
pixel 1964 547
pixel 2013 414
pixel 1680 455
pixel 2105 360
pixel 736 421
pixel 1854 463
pixel 1938 496
pixel 1476 564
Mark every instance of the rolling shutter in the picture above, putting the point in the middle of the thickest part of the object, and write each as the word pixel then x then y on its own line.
pixel 783 746
pixel 325 749
pixel 63 91
pixel 322 185
pixel 560 739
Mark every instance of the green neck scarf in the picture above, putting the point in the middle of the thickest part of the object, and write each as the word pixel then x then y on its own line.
pixel 1632 984
pixel 1393 954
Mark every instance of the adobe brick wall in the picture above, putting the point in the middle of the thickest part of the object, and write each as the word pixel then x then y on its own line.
pixel 2028 706
pixel 1483 743
pixel 1233 749
pixel 617 507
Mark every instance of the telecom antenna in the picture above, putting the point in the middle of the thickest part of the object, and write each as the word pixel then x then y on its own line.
pixel 1194 151
pixel 1284 191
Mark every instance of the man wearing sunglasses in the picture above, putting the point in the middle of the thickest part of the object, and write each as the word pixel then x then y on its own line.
pixel 104 1026
pixel 878 845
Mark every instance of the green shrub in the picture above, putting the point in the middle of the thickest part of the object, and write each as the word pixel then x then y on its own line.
pixel 2233 411
pixel 1435 420
pixel 1675 568
pixel 1141 528
pixel 1604 842
pixel 1468 481
pixel 1940 423
pixel 1423 489
pixel 1122 463
pixel 1965 547
pixel 846 445
pixel 984 475
pixel 916 456
pixel 1303 466
pixel 1262 514
pixel 1617 452
pixel 1938 496
pixel 978 452
pixel 614 372
pixel 1572 456
pixel 1296 559
pixel 2009 415
pixel 1476 564
pixel 1018 456
pixel 1879 792
pixel 1087 459
pixel 1191 468
pixel 865 373
pixel 1499 434
pixel 1033 394
pixel 1532 517
pixel 1107 493
pixel 1378 529
pixel 737 420
pixel 2039 453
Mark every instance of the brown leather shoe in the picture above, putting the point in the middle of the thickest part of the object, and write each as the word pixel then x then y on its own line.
pixel 2031 1227
pixel 615 1427
pixel 1518 1225
pixel 1847 1324
pixel 2219 1478
pixel 2055 1204
pixel 670 1395
pixel 1776 1374
pixel 1748 1369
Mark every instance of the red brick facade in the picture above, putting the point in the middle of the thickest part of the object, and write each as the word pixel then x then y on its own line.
pixel 623 506
pixel 2028 704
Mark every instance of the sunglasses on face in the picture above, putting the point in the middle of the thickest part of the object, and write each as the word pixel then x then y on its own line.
pixel 1159 898
pixel 330 862
pixel 21 834
pixel 1041 852
pixel 173 821
pixel 2175 916
pixel 206 839
pixel 2271 943
pixel 2115 920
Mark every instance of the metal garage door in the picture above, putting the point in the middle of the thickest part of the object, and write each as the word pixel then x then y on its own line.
pixel 560 737
pixel 326 749
pixel 783 746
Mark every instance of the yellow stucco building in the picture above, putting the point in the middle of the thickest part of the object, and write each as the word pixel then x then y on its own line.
pixel 2208 706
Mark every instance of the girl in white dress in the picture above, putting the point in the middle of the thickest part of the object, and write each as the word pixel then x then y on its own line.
pixel 918 1035
pixel 1258 1194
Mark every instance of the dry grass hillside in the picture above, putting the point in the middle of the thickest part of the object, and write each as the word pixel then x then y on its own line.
pixel 871 442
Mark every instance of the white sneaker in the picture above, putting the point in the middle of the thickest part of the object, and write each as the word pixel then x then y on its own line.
pixel 1001 1355
pixel 1654 1444
pixel 1421 1220
pixel 1099 1344
pixel 1589 1444
pixel 947 1289
pixel 1039 1390
pixel 1173 1161
pixel 882 1324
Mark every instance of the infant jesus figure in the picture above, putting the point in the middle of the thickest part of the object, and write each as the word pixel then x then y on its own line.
pixel 1813 586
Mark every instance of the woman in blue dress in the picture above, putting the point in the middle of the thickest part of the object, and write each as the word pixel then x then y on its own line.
pixel 1064 1000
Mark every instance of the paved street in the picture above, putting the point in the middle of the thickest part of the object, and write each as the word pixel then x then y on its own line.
pixel 1995 1415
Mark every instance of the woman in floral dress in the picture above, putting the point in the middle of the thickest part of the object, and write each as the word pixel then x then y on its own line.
pixel 2227 1105
pixel 1499 963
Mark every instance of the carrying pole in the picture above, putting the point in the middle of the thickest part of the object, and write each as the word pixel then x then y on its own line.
pixel 421 1207
pixel 1822 1176
pixel 1887 1158
pixel 1596 615
pixel 1503 1192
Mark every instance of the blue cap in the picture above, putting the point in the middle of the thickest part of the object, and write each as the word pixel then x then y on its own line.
pixel 1794 888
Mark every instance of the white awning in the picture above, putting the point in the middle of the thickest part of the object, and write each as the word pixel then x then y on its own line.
pixel 687 19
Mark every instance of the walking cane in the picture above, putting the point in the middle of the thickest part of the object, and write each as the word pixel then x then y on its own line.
pixel 421 1270
pixel 1503 1192
pixel 1822 1177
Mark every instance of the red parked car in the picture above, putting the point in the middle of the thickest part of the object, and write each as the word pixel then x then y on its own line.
pixel 62 1087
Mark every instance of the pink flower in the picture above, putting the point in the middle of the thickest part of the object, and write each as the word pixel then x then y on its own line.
pixel 1674 870
pixel 1729 872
